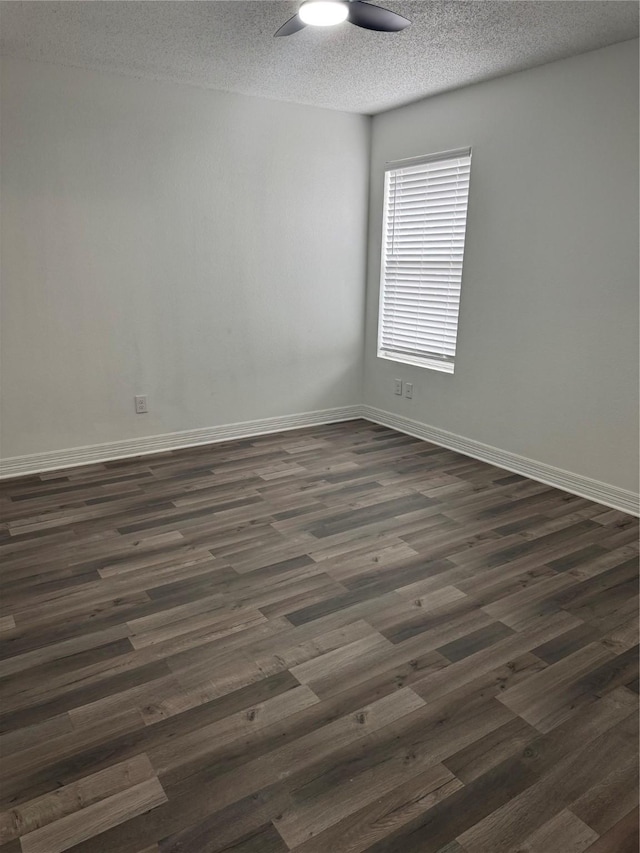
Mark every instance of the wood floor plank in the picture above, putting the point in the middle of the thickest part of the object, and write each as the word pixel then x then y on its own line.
pixel 70 830
pixel 319 806
pixel 534 700
pixel 7 623
pixel 233 727
pixel 624 837
pixel 361 829
pixel 42 767
pixel 54 651
pixel 611 798
pixel 526 813
pixel 334 639
pixel 489 751
pixel 564 832
pixel 29 817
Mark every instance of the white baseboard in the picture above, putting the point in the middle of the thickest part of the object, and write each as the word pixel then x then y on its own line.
pixel 37 463
pixel 594 490
pixel 585 487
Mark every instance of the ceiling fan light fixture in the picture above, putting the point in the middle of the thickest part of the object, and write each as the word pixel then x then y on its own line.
pixel 323 13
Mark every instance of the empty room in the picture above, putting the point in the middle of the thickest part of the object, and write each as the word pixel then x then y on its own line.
pixel 319 426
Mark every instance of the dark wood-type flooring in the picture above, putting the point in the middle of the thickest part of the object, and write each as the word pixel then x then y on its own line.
pixel 328 641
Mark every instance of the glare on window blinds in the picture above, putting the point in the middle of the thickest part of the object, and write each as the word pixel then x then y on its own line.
pixel 423 245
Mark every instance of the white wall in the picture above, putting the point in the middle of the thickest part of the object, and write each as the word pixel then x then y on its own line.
pixel 208 249
pixel 547 361
pixel 203 248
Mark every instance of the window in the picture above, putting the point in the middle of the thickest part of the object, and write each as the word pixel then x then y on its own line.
pixel 425 217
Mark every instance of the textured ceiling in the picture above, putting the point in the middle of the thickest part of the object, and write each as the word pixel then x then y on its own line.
pixel 229 45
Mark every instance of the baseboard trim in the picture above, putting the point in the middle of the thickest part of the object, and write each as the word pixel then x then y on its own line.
pixel 594 490
pixel 585 487
pixel 38 463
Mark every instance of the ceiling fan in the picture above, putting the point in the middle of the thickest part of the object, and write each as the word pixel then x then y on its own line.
pixel 326 13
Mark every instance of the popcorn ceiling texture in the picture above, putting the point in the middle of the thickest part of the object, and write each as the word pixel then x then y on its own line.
pixel 230 46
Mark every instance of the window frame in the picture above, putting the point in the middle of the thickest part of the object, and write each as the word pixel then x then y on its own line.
pixel 430 361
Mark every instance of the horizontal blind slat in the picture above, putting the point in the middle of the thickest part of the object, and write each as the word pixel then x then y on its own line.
pixel 424 342
pixel 427 318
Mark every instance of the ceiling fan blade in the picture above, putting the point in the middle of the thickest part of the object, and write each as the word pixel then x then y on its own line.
pixel 292 26
pixel 375 17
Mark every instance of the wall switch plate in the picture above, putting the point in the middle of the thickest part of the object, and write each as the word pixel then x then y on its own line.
pixel 141 404
pixel 408 390
pixel 397 386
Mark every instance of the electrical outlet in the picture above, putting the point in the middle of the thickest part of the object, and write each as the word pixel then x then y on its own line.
pixel 408 390
pixel 141 404
pixel 397 386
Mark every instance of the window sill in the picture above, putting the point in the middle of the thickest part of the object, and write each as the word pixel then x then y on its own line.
pixel 417 361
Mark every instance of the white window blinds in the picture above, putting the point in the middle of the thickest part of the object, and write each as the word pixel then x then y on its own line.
pixel 425 216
